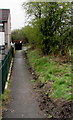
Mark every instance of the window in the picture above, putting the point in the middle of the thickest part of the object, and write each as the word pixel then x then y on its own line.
pixel 1 27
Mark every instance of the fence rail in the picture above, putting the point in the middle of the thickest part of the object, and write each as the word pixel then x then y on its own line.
pixel 4 69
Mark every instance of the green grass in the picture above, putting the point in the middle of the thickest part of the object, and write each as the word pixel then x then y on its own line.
pixel 33 80
pixel 50 70
pixel 5 97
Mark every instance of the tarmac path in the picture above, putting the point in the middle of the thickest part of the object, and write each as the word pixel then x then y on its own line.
pixel 23 103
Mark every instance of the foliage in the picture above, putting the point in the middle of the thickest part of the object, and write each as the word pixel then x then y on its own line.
pixel 19 34
pixel 52 72
pixel 50 27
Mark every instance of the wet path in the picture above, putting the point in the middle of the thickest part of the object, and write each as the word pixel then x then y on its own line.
pixel 23 103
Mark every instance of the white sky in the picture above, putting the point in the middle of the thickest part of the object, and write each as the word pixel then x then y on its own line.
pixel 16 11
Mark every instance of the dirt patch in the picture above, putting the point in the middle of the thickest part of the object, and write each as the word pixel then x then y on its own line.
pixel 58 108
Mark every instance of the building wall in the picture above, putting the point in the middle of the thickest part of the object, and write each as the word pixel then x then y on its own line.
pixel 9 30
pixel 2 35
pixel 5 33
pixel 7 26
pixel 2 38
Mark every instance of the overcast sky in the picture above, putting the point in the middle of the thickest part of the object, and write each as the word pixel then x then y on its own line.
pixel 16 10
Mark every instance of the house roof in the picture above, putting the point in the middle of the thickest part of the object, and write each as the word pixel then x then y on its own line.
pixel 4 13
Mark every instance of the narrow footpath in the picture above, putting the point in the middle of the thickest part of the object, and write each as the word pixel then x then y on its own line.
pixel 23 103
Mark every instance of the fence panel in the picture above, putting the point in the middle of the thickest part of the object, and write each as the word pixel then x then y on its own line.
pixel 4 69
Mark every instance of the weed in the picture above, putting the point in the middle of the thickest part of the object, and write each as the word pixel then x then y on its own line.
pixel 5 97
pixel 50 70
pixel 33 80
pixel 49 116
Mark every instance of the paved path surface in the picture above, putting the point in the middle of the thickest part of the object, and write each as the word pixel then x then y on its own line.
pixel 23 103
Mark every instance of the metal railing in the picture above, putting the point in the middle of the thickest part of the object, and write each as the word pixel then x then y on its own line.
pixel 4 70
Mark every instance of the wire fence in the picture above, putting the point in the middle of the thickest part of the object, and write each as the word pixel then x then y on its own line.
pixel 4 70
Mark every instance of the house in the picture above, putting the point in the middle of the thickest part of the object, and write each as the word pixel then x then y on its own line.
pixel 5 28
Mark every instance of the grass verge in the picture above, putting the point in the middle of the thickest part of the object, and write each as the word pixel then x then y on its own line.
pixel 5 97
pixel 52 71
